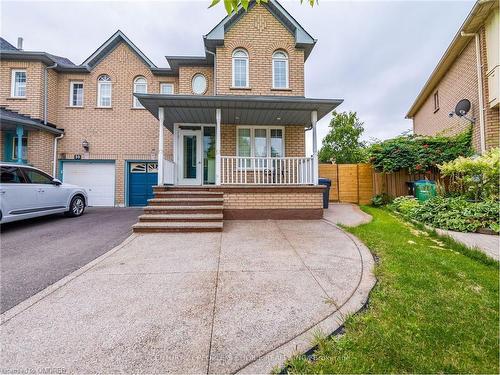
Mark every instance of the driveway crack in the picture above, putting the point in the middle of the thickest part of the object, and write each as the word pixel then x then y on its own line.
pixel 209 359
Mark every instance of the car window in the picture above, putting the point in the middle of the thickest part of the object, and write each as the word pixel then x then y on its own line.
pixel 36 177
pixel 11 175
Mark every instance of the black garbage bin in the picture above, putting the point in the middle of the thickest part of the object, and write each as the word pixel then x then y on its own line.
pixel 326 192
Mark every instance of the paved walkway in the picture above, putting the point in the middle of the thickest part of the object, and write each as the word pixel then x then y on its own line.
pixel 242 300
pixel 488 244
pixel 346 214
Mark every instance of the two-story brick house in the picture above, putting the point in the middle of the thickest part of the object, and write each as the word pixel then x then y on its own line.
pixel 469 69
pixel 232 122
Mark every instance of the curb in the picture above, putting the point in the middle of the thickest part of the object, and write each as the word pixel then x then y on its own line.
pixel 27 303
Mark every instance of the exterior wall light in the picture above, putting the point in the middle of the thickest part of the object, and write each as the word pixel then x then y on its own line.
pixel 85 145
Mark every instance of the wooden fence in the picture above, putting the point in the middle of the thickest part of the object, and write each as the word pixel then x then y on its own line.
pixel 358 183
pixel 351 183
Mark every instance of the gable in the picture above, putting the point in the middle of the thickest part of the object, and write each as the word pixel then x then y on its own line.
pixel 108 46
pixel 301 37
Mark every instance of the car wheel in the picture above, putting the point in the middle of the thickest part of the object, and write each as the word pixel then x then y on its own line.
pixel 76 207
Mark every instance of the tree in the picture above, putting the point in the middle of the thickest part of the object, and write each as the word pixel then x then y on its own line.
pixel 232 6
pixel 342 144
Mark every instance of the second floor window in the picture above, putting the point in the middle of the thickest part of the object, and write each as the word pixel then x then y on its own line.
pixel 166 88
pixel 140 87
pixel 76 94
pixel 104 91
pixel 240 68
pixel 280 70
pixel 18 83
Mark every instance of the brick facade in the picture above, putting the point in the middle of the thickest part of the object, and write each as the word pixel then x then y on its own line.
pixel 254 200
pixel 260 34
pixel 123 133
pixel 459 82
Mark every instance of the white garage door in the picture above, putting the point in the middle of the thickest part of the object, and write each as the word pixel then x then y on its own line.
pixel 98 179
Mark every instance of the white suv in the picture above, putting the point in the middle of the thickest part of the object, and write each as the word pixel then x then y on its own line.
pixel 27 192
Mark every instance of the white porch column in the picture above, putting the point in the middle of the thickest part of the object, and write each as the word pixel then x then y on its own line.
pixel 217 146
pixel 161 116
pixel 314 120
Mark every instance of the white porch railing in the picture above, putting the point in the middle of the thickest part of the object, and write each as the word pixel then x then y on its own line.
pixel 238 170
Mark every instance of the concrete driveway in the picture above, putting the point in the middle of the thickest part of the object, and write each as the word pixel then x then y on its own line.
pixel 37 253
pixel 238 301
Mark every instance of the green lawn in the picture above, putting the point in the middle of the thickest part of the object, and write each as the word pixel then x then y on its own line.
pixel 434 309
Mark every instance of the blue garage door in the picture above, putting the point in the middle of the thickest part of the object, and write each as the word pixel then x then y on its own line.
pixel 142 176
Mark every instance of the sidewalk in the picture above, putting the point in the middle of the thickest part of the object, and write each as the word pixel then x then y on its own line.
pixel 488 244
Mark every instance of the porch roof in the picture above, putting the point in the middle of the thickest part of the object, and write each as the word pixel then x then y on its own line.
pixel 237 109
pixel 9 120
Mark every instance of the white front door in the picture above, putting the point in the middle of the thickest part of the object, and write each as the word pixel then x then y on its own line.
pixel 189 157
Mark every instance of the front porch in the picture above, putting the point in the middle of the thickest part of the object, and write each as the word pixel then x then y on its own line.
pixel 238 157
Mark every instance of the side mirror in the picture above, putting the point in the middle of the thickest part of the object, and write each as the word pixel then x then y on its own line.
pixel 57 182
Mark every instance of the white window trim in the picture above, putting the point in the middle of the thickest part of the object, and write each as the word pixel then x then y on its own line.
pixel 99 84
pixel 166 84
pixel 247 72
pixel 71 84
pixel 252 142
pixel 286 71
pixel 13 83
pixel 206 83
pixel 135 102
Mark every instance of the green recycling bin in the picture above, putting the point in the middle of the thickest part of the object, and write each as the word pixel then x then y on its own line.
pixel 425 189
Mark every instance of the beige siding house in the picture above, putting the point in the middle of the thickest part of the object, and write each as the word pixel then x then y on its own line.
pixel 469 69
pixel 231 122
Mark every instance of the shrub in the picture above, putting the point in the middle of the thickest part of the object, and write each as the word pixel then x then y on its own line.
pixel 453 213
pixel 418 153
pixel 405 205
pixel 381 200
pixel 475 178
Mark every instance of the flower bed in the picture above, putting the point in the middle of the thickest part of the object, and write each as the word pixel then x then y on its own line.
pixel 452 213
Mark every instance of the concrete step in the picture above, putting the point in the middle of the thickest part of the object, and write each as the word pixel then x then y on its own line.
pixel 190 209
pixel 190 194
pixel 180 188
pixel 185 201
pixel 166 227
pixel 180 217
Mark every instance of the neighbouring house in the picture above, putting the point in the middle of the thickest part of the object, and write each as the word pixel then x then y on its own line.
pixel 469 69
pixel 233 121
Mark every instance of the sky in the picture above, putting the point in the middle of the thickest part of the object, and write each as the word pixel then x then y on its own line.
pixel 376 55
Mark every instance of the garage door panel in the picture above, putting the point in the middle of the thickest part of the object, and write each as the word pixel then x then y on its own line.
pixel 98 179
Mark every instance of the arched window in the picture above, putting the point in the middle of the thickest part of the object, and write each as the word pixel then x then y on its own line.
pixel 140 87
pixel 240 68
pixel 104 91
pixel 280 70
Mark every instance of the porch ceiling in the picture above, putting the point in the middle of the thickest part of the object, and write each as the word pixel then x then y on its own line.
pixel 237 110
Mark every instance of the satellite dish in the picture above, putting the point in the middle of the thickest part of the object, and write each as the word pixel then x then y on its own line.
pixel 463 107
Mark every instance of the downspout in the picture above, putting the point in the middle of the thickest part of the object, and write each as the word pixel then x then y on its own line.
pixel 482 133
pixel 215 69
pixel 46 93
pixel 54 165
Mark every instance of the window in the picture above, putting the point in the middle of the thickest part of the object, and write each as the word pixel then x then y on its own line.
pixel 199 84
pixel 11 175
pixel 18 84
pixel 280 70
pixel 436 101
pixel 36 177
pixel 259 142
pixel 240 68
pixel 24 146
pixel 166 88
pixel 76 94
pixel 104 91
pixel 140 87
